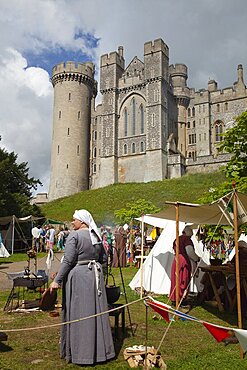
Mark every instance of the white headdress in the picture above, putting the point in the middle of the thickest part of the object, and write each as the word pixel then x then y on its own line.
pixel 86 217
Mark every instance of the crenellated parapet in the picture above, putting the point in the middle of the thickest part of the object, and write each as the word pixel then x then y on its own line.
pixel 156 46
pixel 83 73
pixel 113 58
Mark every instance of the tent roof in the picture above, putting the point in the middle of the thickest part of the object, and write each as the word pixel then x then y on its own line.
pixel 209 214
pixel 7 219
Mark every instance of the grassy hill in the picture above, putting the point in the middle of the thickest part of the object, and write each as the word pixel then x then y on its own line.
pixel 102 203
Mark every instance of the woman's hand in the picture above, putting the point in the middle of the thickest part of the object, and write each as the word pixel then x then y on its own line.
pixel 54 286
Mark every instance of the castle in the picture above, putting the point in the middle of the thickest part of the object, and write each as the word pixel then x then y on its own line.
pixel 149 126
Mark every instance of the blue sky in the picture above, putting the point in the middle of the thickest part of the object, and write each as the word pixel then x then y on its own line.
pixel 209 36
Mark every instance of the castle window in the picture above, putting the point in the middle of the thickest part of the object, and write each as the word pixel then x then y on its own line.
pixel 60 114
pixel 78 115
pixel 205 136
pixel 68 131
pixel 204 121
pixel 199 109
pixel 218 131
pixel 78 149
pixel 69 96
pixel 95 152
pixel 99 152
pixel 133 116
pixel 142 119
pixel 218 108
pixel 194 124
pixel 193 111
pixel 142 146
pixel 125 149
pixel 125 122
pixel 200 137
pixel 189 154
pixel 58 149
pixel 153 119
pixel 189 112
pixel 94 168
pixel 133 148
pixel 192 139
pixel 226 107
pixel 188 124
pixel 67 166
pixel 95 135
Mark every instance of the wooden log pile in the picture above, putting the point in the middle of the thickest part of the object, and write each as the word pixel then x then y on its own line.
pixel 136 356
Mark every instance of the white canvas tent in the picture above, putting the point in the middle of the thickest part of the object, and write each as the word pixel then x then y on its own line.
pixel 157 266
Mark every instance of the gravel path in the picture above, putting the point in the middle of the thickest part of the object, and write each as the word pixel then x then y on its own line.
pixel 5 268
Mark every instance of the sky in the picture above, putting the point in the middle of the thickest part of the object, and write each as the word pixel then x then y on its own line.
pixel 209 36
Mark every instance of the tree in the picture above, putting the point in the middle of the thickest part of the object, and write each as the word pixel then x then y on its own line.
pixel 235 143
pixel 15 186
pixel 136 209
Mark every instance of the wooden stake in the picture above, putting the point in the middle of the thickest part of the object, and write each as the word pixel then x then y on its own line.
pixel 177 255
pixel 240 325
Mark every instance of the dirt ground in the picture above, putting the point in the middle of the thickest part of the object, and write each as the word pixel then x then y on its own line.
pixel 6 268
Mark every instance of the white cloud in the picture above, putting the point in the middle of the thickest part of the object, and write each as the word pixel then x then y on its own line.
pixel 208 36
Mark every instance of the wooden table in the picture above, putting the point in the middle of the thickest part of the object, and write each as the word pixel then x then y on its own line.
pixel 224 271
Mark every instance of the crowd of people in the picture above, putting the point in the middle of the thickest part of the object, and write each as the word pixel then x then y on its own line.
pixel 47 237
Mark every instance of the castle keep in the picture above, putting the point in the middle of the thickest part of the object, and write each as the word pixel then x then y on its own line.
pixel 149 126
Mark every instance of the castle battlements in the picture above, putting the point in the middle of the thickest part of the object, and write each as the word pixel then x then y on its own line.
pixel 153 47
pixel 84 68
pixel 113 58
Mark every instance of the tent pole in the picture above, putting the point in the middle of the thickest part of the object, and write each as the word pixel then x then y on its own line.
pixel 240 325
pixel 177 255
pixel 142 240
pixel 13 235
pixel 131 243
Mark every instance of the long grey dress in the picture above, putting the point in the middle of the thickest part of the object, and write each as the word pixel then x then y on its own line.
pixel 88 341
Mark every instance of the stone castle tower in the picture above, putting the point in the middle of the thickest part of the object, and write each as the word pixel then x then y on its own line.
pixel 74 88
pixel 149 126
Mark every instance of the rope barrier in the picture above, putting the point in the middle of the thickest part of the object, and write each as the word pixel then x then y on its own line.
pixel 72 321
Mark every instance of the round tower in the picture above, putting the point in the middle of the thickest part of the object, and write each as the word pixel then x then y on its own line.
pixel 178 78
pixel 74 87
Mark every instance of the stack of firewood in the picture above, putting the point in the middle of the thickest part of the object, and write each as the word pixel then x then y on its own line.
pixel 142 356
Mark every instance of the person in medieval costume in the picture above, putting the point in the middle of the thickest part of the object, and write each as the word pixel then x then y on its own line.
pixel 80 275
pixel 120 252
pixel 186 255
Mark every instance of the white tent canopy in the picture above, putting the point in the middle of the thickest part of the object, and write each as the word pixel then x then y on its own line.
pixel 157 266
pixel 215 213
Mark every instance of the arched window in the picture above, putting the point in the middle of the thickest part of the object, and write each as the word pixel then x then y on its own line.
pixel 78 115
pixel 125 122
pixel 133 103
pixel 78 149
pixel 218 131
pixel 193 111
pixel 142 146
pixel 59 114
pixel 226 107
pixel 125 149
pixel 133 148
pixel 189 112
pixel 218 108
pixel 194 123
pixel 68 131
pixel 95 152
pixel 189 154
pixel 188 124
pixel 142 118
pixel 58 149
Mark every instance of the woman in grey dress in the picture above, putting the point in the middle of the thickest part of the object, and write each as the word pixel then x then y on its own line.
pixel 80 275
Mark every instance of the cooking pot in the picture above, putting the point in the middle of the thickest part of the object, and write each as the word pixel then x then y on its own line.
pixel 112 291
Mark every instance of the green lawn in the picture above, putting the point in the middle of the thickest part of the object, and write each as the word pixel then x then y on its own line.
pixel 187 345
pixel 103 202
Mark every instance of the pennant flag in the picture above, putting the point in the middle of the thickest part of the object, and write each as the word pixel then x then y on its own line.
pixel 217 332
pixel 185 316
pixel 242 338
pixel 160 308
